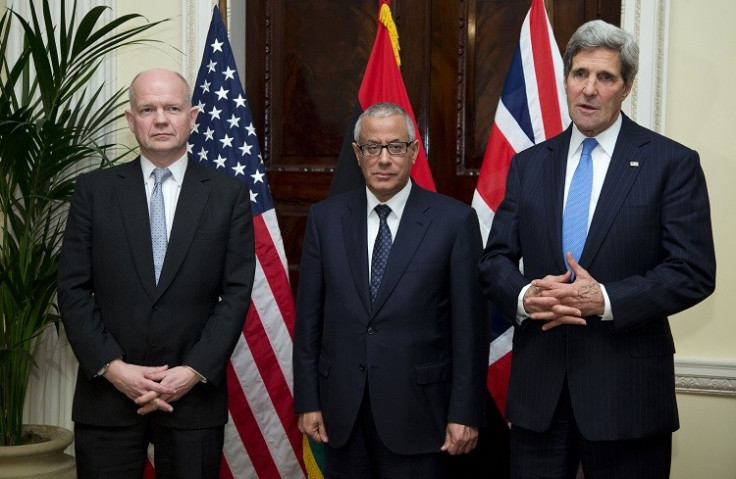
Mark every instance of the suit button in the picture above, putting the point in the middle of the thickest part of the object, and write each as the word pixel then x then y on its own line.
pixel 361 367
pixel 370 330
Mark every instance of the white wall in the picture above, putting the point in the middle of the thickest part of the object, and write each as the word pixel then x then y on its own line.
pixel 701 104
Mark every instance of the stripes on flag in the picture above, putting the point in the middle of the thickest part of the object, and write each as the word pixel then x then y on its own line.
pixel 261 437
pixel 532 108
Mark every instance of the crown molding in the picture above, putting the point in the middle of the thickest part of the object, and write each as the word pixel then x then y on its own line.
pixel 700 376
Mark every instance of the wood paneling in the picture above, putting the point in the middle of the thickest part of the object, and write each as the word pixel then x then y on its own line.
pixel 305 61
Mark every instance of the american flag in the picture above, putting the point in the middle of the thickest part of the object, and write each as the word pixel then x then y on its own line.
pixel 261 437
pixel 532 108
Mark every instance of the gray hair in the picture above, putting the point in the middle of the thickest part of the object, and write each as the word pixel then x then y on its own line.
pixel 382 110
pixel 599 34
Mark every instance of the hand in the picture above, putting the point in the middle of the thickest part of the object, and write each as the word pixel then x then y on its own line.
pixel 460 439
pixel 571 301
pixel 534 302
pixel 311 424
pixel 180 380
pixel 134 381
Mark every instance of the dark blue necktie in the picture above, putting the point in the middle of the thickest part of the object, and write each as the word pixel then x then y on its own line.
pixel 381 249
pixel 575 217
pixel 159 240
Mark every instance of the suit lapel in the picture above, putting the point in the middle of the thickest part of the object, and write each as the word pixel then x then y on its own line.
pixel 354 227
pixel 627 160
pixel 192 201
pixel 415 221
pixel 553 179
pixel 131 195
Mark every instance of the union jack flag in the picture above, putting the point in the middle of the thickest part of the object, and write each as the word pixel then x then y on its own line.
pixel 532 108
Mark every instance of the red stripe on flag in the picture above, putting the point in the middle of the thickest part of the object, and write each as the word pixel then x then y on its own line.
pixel 245 423
pixel 499 373
pixel 274 272
pixel 273 379
pixel 225 472
pixel 496 160
pixel 544 68
pixel 149 472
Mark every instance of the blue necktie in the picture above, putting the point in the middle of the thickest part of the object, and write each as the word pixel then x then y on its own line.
pixel 381 249
pixel 159 239
pixel 575 217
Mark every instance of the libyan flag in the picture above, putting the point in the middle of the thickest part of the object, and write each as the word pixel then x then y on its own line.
pixel 381 82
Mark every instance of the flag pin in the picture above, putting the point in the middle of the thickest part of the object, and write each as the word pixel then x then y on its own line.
pixel 634 164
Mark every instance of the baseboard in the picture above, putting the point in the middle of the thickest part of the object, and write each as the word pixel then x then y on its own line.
pixel 701 376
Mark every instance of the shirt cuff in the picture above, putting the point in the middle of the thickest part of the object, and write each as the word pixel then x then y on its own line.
pixel 202 379
pixel 521 313
pixel 607 312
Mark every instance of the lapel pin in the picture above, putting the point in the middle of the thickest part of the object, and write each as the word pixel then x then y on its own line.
pixel 634 164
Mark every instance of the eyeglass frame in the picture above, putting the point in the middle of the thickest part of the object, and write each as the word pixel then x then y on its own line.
pixel 406 144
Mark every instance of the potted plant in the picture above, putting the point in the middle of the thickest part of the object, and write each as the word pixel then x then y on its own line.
pixel 53 125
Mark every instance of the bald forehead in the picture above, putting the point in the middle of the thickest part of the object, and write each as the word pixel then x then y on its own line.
pixel 158 80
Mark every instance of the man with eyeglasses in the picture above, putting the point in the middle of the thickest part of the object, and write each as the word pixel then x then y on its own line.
pixel 390 344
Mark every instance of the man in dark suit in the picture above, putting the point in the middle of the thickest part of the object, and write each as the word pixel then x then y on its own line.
pixel 390 355
pixel 592 375
pixel 154 328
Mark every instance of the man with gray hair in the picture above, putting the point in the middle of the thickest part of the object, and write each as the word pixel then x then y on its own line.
pixel 390 347
pixel 612 222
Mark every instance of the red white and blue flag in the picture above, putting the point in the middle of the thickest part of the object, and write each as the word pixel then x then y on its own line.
pixel 532 108
pixel 261 437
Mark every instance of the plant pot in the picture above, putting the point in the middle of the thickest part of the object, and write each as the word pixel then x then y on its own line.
pixel 45 460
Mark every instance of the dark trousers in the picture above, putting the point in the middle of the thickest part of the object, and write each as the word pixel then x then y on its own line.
pixel 557 452
pixel 120 452
pixel 366 457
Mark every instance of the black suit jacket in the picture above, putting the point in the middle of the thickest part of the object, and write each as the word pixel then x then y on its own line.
pixel 421 347
pixel 650 244
pixel 111 306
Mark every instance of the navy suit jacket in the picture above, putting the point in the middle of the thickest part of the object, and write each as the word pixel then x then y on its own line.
pixel 422 347
pixel 650 244
pixel 111 306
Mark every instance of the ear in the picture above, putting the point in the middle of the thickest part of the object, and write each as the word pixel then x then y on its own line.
pixel 357 152
pixel 415 151
pixel 627 90
pixel 193 112
pixel 129 118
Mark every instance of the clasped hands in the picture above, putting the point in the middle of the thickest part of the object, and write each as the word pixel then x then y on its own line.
pixel 151 387
pixel 557 301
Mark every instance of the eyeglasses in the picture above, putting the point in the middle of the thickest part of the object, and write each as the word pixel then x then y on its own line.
pixel 394 148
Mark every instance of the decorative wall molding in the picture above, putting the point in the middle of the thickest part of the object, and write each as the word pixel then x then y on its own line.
pixel 648 21
pixel 700 376
pixel 196 15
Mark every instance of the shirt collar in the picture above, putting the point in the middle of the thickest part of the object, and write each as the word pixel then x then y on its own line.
pixel 396 203
pixel 606 139
pixel 177 169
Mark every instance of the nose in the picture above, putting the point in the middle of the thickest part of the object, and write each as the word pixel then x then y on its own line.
pixel 590 87
pixel 160 116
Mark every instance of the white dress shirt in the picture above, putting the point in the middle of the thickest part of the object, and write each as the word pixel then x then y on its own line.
pixel 601 156
pixel 397 204
pixel 171 187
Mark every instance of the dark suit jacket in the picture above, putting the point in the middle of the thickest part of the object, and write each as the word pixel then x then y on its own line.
pixel 650 244
pixel 112 308
pixel 422 346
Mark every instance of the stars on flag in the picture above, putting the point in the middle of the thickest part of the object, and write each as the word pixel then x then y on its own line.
pixel 224 135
